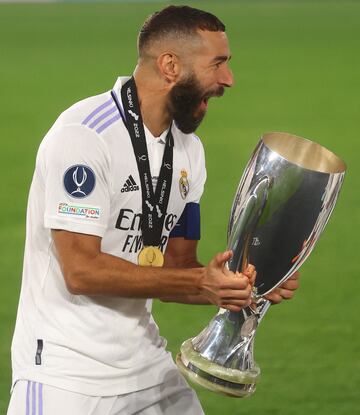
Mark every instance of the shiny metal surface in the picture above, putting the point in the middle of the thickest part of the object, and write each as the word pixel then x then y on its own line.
pixel 282 206
pixel 283 202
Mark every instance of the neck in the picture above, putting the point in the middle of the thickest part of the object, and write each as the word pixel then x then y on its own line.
pixel 153 97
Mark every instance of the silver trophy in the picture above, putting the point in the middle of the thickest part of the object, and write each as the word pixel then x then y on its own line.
pixel 283 202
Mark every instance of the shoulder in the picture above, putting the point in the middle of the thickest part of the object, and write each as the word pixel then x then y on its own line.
pixel 96 113
pixel 79 129
pixel 86 121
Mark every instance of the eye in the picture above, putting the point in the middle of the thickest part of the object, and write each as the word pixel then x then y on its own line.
pixel 218 64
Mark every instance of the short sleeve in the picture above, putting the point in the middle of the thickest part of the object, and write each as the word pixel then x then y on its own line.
pixel 198 172
pixel 76 173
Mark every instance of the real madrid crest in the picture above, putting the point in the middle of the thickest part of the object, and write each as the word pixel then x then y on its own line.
pixel 184 184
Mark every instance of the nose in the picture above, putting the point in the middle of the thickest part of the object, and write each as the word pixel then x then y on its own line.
pixel 226 77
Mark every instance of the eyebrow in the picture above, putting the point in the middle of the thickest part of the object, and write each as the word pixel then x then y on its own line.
pixel 221 58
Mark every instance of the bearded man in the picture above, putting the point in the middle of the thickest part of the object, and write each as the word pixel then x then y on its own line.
pixel 113 222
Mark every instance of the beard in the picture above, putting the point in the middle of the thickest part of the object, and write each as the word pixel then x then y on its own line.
pixel 185 100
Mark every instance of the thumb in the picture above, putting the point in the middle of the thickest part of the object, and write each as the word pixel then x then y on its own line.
pixel 220 259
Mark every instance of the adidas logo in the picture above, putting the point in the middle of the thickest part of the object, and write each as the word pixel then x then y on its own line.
pixel 130 185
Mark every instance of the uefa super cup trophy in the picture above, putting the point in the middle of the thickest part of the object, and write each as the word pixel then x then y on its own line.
pixel 283 202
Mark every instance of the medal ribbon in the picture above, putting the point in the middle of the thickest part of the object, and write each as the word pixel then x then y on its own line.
pixel 154 204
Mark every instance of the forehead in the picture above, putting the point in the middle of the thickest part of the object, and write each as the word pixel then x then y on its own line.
pixel 214 44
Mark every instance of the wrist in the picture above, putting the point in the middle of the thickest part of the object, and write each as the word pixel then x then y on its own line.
pixel 200 278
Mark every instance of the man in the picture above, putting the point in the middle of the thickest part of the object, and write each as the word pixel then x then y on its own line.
pixel 116 192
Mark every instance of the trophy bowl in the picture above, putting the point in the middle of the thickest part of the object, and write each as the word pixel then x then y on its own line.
pixel 283 202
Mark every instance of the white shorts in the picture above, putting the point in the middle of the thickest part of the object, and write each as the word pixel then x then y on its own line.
pixel 170 398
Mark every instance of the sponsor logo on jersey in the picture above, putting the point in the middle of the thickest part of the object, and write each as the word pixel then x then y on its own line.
pixel 130 222
pixel 130 185
pixel 184 184
pixel 89 212
pixel 79 181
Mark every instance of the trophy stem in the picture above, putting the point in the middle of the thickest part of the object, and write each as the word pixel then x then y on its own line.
pixel 220 358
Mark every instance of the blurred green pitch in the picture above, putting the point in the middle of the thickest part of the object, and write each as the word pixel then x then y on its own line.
pixel 296 65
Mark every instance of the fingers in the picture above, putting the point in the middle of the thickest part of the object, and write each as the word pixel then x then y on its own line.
pixel 295 276
pixel 227 289
pixel 250 272
pixel 285 292
pixel 290 284
pixel 274 297
pixel 235 294
pixel 236 307
pixel 219 260
pixel 235 281
pixel 250 269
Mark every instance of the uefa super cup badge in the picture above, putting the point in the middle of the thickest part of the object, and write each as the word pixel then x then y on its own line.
pixel 184 184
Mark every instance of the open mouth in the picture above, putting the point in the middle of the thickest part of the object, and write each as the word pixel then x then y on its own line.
pixel 204 103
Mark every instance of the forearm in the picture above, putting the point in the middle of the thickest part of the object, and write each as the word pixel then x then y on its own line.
pixel 186 299
pixel 105 274
pixel 198 299
pixel 89 271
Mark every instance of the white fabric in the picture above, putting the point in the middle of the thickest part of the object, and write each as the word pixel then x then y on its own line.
pixel 97 345
pixel 170 398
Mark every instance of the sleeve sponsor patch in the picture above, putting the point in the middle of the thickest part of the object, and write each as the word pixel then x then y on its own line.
pixel 79 211
pixel 79 181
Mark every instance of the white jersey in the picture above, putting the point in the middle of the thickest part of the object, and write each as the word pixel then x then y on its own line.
pixel 86 180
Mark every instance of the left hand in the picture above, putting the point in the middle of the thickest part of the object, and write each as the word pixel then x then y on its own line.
pixel 284 291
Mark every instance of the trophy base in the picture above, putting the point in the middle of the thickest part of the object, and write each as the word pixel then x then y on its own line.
pixel 216 378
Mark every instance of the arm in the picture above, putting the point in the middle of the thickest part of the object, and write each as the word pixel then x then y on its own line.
pixel 181 253
pixel 88 271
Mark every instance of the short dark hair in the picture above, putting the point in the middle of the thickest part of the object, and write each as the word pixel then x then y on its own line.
pixel 179 20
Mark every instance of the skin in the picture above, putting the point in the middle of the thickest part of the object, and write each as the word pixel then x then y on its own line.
pixel 89 271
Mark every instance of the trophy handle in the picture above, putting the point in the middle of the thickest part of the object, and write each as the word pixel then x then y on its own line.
pixel 244 221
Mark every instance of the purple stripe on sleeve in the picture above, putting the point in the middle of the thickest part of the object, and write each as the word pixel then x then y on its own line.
pixel 33 406
pixel 103 116
pixel 97 110
pixel 108 123
pixel 40 399
pixel 28 399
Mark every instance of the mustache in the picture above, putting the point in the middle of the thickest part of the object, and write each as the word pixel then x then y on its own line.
pixel 218 92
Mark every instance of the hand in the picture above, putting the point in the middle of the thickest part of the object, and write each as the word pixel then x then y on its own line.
pixel 225 288
pixel 285 291
pixel 250 272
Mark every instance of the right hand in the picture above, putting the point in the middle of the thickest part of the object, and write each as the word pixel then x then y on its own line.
pixel 225 288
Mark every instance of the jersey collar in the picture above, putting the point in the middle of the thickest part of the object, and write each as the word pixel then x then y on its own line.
pixel 150 138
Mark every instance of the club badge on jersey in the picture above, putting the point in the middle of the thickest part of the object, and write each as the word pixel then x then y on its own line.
pixel 154 203
pixel 184 186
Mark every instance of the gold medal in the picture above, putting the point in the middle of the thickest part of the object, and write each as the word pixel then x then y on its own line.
pixel 151 256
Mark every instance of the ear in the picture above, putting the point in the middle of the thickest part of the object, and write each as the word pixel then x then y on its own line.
pixel 169 66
